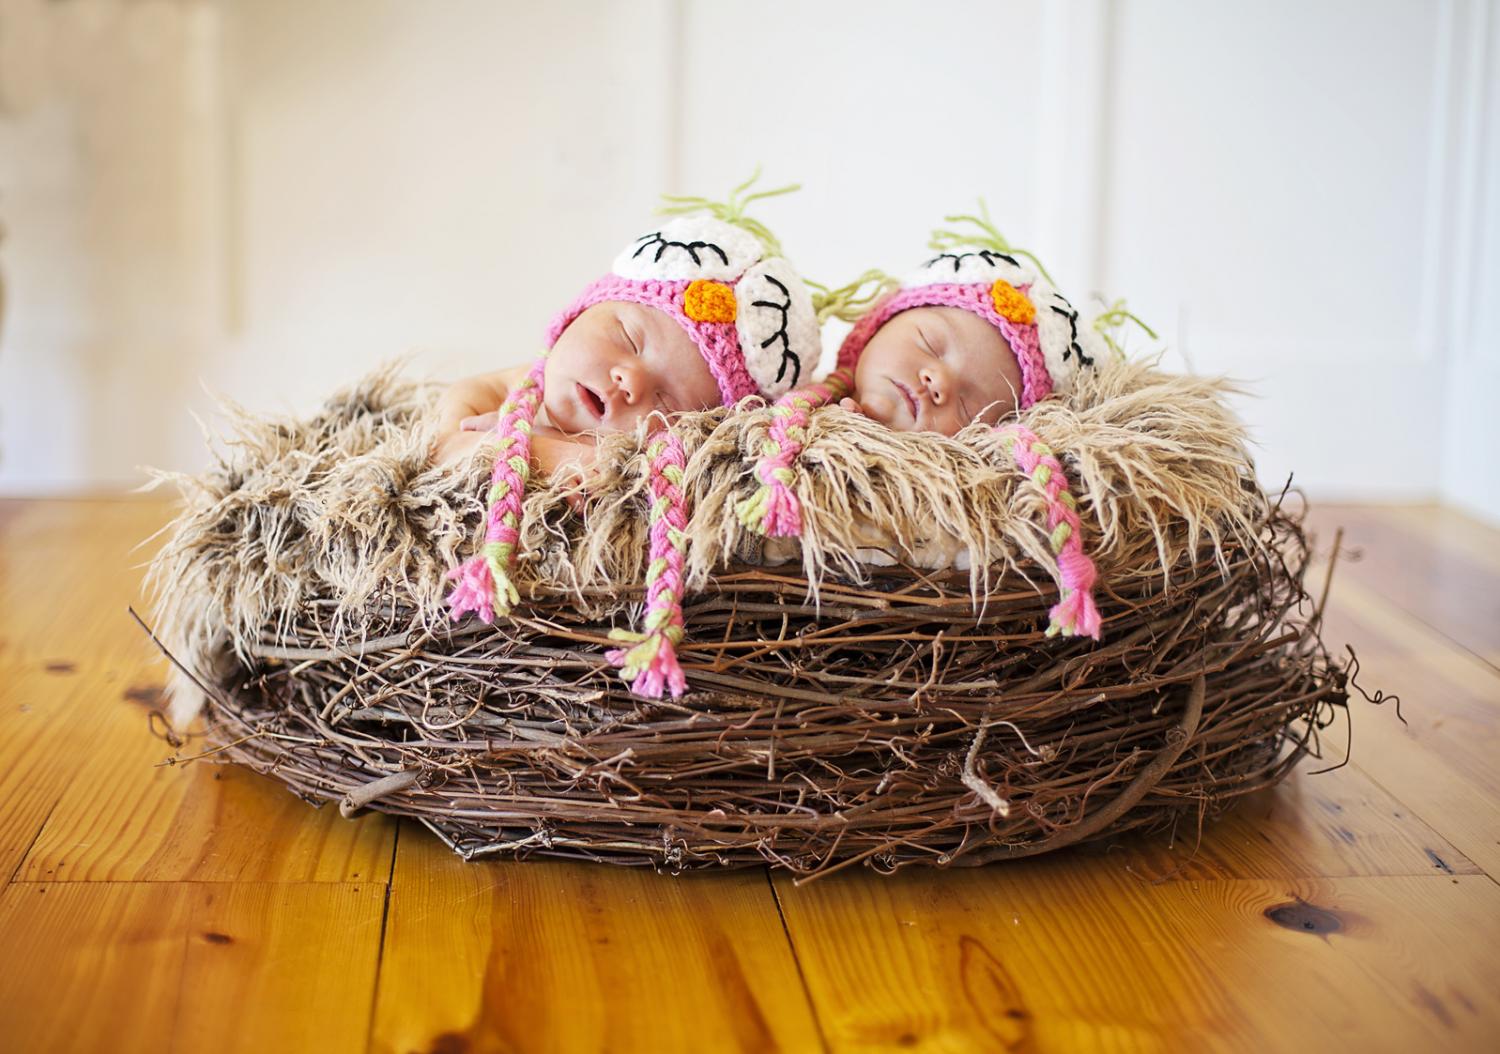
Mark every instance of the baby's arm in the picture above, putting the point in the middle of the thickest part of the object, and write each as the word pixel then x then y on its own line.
pixel 475 395
pixel 551 451
pixel 466 417
pixel 467 398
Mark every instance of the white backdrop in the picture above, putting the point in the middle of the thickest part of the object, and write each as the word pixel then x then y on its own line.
pixel 270 197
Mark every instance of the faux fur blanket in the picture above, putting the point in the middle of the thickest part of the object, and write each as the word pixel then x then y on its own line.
pixel 343 507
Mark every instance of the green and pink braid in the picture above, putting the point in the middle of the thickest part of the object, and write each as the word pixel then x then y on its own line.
pixel 650 663
pixel 773 509
pixel 484 581
pixel 1075 614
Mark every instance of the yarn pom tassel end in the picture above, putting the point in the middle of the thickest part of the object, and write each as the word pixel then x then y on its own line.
pixel 650 664
pixel 1076 615
pixel 482 587
pixel 773 511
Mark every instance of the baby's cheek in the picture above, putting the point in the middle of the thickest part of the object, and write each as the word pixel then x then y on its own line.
pixel 580 355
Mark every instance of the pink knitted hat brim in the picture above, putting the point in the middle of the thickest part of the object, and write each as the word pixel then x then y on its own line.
pixel 718 342
pixel 974 297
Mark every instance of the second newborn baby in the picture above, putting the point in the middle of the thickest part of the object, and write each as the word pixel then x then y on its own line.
pixel 973 334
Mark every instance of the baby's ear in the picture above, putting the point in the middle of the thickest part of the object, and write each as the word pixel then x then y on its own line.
pixel 777 326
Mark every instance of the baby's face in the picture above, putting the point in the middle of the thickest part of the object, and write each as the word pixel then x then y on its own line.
pixel 618 362
pixel 936 369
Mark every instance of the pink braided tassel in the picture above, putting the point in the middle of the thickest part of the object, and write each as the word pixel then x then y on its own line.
pixel 484 584
pixel 773 509
pixel 1076 612
pixel 650 664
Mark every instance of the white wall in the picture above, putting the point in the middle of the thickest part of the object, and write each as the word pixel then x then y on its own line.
pixel 1266 201
pixel 431 178
pixel 271 196
pixel 1465 249
pixel 108 193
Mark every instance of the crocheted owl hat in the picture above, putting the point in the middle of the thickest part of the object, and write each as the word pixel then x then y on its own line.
pixel 980 272
pixel 741 302
pixel 721 275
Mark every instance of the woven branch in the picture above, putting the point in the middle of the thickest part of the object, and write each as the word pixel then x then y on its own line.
pixel 814 738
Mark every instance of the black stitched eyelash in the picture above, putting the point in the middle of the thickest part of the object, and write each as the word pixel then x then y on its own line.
pixel 786 341
pixel 1073 346
pixel 989 256
pixel 691 248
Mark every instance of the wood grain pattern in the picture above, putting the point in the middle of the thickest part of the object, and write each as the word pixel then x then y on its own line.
pixel 124 817
pixel 147 908
pixel 126 820
pixel 1429 564
pixel 75 752
pixel 66 576
pixel 1028 958
pixel 550 955
pixel 1440 764
pixel 188 966
pixel 1336 824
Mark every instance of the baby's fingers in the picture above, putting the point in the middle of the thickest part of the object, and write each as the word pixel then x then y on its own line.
pixel 853 407
pixel 479 422
pixel 577 495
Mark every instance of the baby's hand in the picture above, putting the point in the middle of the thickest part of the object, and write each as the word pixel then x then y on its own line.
pixel 552 452
pixel 480 422
pixel 566 456
pixel 846 403
pixel 576 494
pixel 457 446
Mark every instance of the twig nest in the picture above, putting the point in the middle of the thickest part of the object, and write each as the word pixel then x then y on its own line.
pixel 882 691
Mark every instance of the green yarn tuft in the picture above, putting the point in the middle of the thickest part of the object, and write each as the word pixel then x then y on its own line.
pixel 985 236
pixel 1114 319
pixel 848 302
pixel 732 210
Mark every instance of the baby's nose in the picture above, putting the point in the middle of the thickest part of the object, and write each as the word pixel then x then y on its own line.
pixel 935 380
pixel 625 382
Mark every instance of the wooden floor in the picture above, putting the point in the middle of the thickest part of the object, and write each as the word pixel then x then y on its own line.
pixel 204 908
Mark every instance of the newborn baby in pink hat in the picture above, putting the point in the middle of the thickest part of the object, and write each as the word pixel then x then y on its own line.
pixel 973 334
pixel 699 312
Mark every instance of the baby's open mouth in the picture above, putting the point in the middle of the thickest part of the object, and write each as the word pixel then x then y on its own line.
pixel 909 396
pixel 591 400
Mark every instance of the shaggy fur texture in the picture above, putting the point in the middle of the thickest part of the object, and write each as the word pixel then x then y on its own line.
pixel 342 508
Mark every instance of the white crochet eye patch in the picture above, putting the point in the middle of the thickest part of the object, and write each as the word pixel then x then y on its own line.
pixel 966 266
pixel 689 247
pixel 777 326
pixel 1069 342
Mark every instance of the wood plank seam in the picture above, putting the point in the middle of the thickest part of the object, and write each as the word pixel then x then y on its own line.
pixel 1375 779
pixel 385 918
pixel 812 1007
pixel 1436 631
pixel 21 861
